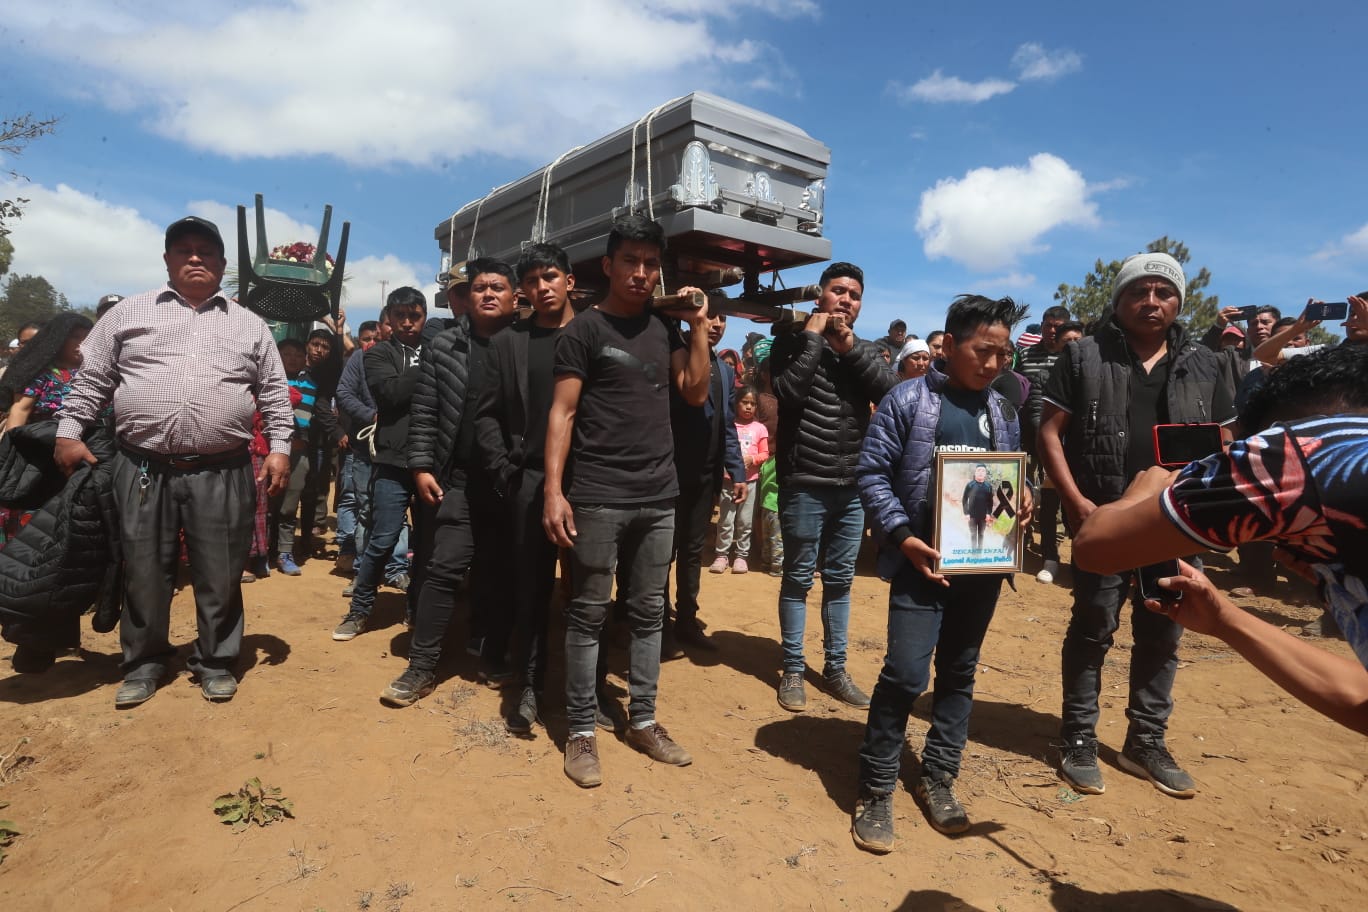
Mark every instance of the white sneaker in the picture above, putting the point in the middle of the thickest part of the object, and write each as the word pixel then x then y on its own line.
pixel 1047 573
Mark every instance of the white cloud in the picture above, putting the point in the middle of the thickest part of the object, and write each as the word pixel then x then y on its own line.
pixel 1012 281
pixel 87 247
pixel 1032 62
pixel 418 83
pixel 991 217
pixel 1353 245
pixel 940 89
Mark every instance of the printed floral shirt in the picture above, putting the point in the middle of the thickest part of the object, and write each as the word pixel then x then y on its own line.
pixel 1304 485
pixel 49 389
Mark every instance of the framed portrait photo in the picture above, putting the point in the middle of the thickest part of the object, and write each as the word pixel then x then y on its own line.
pixel 977 503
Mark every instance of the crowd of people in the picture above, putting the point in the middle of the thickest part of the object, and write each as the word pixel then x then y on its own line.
pixel 472 455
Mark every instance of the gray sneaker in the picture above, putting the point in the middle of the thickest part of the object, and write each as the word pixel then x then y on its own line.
pixel 792 695
pixel 351 625
pixel 936 793
pixel 1078 765
pixel 872 829
pixel 1149 759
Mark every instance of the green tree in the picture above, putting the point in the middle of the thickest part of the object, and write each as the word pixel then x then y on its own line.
pixel 28 298
pixel 1088 301
pixel 6 255
pixel 15 135
pixel 1319 335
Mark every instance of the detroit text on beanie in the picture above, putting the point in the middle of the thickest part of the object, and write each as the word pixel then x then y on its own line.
pixel 1142 265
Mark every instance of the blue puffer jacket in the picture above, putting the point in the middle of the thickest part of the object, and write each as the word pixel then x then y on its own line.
pixel 899 455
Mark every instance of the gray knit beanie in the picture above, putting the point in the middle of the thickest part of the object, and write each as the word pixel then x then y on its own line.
pixel 1141 265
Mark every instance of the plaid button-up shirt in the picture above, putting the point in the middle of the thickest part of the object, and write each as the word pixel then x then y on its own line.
pixel 184 381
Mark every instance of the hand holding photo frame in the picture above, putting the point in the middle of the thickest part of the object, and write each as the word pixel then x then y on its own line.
pixel 976 504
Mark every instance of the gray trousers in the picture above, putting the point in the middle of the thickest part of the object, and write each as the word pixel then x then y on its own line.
pixel 215 507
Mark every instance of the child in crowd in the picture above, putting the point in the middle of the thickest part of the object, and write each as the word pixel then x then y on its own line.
pixel 50 363
pixel 769 517
pixel 285 508
pixel 735 519
pixel 38 378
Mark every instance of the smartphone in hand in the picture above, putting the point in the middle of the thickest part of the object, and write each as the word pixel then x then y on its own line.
pixel 1147 578
pixel 1326 310
pixel 1175 445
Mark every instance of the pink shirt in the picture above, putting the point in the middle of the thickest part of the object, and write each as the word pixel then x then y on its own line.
pixel 754 446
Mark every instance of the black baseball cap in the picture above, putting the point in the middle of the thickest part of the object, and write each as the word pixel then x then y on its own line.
pixel 193 224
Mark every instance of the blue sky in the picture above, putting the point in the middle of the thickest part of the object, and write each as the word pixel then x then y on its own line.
pixel 987 147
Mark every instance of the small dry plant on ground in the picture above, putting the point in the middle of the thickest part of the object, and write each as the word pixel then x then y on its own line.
pixel 253 803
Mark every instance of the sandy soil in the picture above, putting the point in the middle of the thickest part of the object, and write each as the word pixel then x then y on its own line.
pixel 435 807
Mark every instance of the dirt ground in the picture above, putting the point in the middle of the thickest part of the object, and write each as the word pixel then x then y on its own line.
pixel 435 807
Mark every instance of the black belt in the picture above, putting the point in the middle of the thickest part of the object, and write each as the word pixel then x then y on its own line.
pixel 188 462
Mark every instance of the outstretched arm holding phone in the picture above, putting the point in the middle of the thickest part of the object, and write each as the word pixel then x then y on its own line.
pixel 1332 685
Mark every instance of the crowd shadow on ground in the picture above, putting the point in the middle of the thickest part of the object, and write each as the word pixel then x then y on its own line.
pixel 70 677
pixel 1065 896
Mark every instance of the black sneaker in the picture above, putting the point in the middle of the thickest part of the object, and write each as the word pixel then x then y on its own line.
pixel 872 829
pixel 841 686
pixel 1078 765
pixel 408 688
pixel 521 720
pixel 936 793
pixel 1149 759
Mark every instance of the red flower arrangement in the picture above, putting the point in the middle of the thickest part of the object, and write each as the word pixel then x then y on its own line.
pixel 298 252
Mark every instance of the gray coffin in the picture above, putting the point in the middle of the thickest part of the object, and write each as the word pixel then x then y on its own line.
pixel 733 187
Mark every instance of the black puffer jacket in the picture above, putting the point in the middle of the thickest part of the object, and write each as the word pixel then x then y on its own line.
pixel 67 556
pixel 824 406
pixel 439 398
pixel 1200 389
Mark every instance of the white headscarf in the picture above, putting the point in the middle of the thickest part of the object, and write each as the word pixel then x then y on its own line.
pixel 910 348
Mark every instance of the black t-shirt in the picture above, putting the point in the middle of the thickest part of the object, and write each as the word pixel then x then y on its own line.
pixel 963 425
pixel 1148 404
pixel 623 450
pixel 541 387
pixel 1148 407
pixel 463 453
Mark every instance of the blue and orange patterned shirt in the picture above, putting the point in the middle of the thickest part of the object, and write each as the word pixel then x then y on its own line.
pixel 1304 485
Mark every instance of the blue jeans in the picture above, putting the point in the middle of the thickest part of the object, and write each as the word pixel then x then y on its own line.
pixel 346 505
pixel 826 523
pixel 391 491
pixel 362 471
pixel 925 618
pixel 1153 665
pixel 641 536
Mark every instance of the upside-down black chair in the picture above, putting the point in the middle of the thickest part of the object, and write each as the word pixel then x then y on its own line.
pixel 285 291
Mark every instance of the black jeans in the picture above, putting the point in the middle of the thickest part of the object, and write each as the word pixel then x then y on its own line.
pixel 1153 666
pixel 468 529
pixel 926 619
pixel 524 622
pixel 693 515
